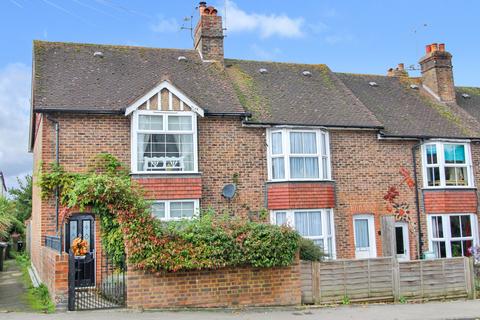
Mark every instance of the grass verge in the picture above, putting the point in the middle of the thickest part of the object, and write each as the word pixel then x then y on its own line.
pixel 38 298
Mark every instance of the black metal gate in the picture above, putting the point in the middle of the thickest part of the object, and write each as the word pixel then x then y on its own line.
pixel 95 287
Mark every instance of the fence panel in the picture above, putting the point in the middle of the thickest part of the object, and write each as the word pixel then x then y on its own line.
pixel 385 279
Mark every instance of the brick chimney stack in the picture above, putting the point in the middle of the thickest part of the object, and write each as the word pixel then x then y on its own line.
pixel 437 75
pixel 399 71
pixel 208 39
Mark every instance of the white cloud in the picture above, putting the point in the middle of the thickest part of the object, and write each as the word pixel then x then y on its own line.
pixel 266 25
pixel 338 38
pixel 163 25
pixel 14 121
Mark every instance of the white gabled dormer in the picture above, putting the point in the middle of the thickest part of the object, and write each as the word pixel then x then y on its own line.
pixel 164 132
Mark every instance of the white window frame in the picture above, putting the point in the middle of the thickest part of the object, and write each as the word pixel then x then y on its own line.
pixel 290 221
pixel 441 164
pixel 196 209
pixel 447 233
pixel 134 138
pixel 286 153
pixel 372 252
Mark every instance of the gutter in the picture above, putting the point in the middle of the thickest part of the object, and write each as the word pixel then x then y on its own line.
pixel 76 111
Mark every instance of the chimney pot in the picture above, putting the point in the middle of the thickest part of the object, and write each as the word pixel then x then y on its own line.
pixel 441 47
pixel 401 67
pixel 434 47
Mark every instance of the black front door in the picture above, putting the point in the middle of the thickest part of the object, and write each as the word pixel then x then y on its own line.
pixel 82 226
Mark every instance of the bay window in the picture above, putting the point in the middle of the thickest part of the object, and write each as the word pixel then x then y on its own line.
pixel 452 235
pixel 298 154
pixel 174 209
pixel 164 142
pixel 314 224
pixel 447 164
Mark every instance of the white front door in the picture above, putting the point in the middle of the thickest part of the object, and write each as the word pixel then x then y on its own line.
pixel 364 233
pixel 401 240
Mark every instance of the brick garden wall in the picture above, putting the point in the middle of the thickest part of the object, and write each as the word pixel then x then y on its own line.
pixel 229 287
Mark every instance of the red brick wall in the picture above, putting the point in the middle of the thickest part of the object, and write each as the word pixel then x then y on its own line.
pixel 229 287
pixel 300 195
pixel 54 274
pixel 363 168
pixel 171 188
pixel 450 201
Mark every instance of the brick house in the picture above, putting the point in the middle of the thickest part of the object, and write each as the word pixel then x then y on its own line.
pixel 318 149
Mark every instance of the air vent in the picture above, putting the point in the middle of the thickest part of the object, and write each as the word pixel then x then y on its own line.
pixel 414 87
pixel 465 96
pixel 98 54
pixel 263 70
pixel 307 73
pixel 373 84
pixel 182 58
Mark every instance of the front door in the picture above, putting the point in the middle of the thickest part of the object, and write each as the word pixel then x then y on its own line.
pixel 82 226
pixel 401 240
pixel 364 233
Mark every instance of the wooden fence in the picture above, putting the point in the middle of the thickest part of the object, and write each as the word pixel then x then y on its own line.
pixel 386 279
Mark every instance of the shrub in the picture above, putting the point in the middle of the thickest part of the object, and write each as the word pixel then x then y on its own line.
pixel 309 251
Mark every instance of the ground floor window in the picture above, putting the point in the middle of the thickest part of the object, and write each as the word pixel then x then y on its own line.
pixel 452 235
pixel 175 209
pixel 314 224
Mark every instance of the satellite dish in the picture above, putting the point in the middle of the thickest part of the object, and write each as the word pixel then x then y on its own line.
pixel 229 190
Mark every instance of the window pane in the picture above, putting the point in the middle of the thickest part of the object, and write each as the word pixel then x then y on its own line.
pixel 399 240
pixel 158 210
pixel 86 232
pixel 467 246
pixel 324 144
pixel 439 249
pixel 150 122
pixel 180 123
pixel 165 152
pixel 437 227
pixel 73 231
pixel 303 167
pixel 303 143
pixel 466 226
pixel 431 154
pixel 455 226
pixel 181 209
pixel 277 143
pixel 456 248
pixel 280 218
pixel 433 176
pixel 325 168
pixel 456 176
pixel 319 242
pixel 278 168
pixel 361 233
pixel 308 223
pixel 454 153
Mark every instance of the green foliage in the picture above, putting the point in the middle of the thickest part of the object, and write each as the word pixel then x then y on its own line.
pixel 22 196
pixel 309 251
pixel 37 297
pixel 210 241
pixel 403 299
pixel 345 300
pixel 8 221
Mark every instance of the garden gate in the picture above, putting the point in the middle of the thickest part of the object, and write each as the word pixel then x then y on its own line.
pixel 95 287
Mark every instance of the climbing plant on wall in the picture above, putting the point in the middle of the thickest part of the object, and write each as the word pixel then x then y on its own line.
pixel 127 225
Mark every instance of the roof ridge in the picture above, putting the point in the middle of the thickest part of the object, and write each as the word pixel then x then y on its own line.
pixel 86 44
pixel 279 62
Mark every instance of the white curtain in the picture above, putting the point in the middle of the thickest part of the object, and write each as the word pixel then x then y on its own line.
pixel 361 233
pixel 308 224
pixel 278 168
pixel 280 218
pixel 277 143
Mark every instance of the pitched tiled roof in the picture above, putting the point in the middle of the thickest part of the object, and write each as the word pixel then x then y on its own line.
pixel 409 112
pixel 471 101
pixel 69 76
pixel 282 94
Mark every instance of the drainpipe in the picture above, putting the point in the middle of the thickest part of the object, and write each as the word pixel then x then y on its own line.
pixel 417 197
pixel 57 161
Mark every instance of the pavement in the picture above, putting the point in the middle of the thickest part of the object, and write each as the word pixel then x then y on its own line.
pixel 12 289
pixel 458 310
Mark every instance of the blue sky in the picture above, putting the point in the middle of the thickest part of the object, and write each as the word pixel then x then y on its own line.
pixel 350 36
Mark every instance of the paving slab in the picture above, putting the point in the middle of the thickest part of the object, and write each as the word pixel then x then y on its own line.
pixel 12 289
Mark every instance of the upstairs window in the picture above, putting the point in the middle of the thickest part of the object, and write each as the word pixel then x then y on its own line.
pixel 298 155
pixel 164 142
pixel 447 165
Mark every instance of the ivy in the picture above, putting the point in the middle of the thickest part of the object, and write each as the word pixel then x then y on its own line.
pixel 127 226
